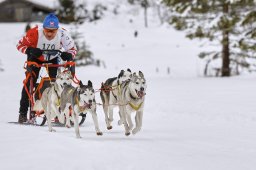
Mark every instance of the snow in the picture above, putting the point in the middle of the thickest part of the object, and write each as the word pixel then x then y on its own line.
pixel 48 3
pixel 190 122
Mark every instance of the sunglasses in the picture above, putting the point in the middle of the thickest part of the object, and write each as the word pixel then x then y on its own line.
pixel 50 30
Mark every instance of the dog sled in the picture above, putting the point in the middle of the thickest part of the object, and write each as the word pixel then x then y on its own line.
pixel 35 93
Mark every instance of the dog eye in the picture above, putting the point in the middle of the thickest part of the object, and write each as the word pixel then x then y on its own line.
pixel 61 78
pixel 137 82
pixel 143 82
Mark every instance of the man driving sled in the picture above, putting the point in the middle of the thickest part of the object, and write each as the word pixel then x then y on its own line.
pixel 46 37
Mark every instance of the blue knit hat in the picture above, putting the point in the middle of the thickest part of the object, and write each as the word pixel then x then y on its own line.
pixel 51 21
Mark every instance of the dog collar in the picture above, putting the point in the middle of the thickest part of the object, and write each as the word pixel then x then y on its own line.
pixel 81 108
pixel 133 98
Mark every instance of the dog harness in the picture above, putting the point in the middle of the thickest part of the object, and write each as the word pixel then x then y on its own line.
pixel 57 102
pixel 134 106
pixel 119 91
pixel 70 90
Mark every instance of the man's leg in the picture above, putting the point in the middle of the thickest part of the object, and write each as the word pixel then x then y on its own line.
pixel 53 70
pixel 24 101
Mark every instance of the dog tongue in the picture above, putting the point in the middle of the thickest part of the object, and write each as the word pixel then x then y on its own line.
pixel 140 94
pixel 86 105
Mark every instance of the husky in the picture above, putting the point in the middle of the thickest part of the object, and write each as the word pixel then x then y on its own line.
pixel 109 95
pixel 50 100
pixel 75 101
pixel 132 100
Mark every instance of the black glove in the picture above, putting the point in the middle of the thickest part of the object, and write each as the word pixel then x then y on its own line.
pixel 33 52
pixel 66 56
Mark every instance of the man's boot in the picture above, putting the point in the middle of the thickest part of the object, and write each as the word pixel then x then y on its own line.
pixel 22 118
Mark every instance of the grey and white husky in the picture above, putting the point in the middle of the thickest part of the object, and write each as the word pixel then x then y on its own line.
pixel 132 99
pixel 50 100
pixel 109 94
pixel 78 100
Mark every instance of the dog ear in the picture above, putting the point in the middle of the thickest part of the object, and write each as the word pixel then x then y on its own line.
pixel 133 76
pixel 80 83
pixel 129 70
pixel 141 74
pixel 121 74
pixel 79 89
pixel 89 83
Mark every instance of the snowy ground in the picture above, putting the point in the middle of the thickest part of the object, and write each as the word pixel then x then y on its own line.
pixel 190 122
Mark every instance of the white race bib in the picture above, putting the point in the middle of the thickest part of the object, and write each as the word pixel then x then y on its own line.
pixel 44 44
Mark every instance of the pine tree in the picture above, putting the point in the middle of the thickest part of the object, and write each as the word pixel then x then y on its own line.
pixel 248 40
pixel 75 14
pixel 70 12
pixel 225 22
pixel 145 5
pixel 66 12
pixel 84 55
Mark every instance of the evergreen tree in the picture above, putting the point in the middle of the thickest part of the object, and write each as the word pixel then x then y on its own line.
pixel 84 55
pixel 69 12
pixel 248 40
pixel 97 12
pixel 225 22
pixel 66 11
pixel 145 5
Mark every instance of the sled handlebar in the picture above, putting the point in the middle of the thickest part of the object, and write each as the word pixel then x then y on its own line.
pixel 50 52
pixel 32 63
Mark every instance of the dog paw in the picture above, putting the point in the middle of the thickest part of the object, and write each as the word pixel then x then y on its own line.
pixel 130 127
pixel 127 133
pixel 99 133
pixel 135 130
pixel 109 127
pixel 68 125
pixel 78 137
pixel 52 130
pixel 61 119
pixel 120 122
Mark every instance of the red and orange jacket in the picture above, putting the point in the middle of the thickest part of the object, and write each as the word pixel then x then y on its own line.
pixel 35 38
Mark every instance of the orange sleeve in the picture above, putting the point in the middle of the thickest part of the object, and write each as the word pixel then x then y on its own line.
pixel 29 40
